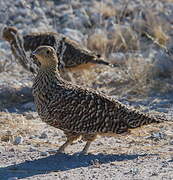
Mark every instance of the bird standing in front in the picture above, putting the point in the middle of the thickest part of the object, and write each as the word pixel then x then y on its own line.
pixel 78 111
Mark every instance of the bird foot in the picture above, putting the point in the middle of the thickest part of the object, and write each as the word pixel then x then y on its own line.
pixel 84 152
pixel 81 153
pixel 60 151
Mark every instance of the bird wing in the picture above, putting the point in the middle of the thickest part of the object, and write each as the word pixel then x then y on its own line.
pixel 32 41
pixel 86 111
pixel 74 53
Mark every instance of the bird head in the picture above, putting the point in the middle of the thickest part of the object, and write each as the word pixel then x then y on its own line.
pixel 46 55
pixel 9 33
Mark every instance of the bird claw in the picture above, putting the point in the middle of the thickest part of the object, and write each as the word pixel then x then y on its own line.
pixel 59 151
pixel 84 152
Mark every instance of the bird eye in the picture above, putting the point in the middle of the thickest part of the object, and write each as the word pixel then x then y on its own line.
pixel 47 51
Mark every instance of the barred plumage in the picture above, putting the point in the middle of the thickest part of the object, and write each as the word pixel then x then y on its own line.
pixel 11 35
pixel 76 110
pixel 73 55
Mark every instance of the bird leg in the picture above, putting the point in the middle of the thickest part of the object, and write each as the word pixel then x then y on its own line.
pixel 85 149
pixel 89 138
pixel 70 138
pixel 62 148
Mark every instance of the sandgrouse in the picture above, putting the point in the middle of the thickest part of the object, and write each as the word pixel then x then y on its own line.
pixel 78 111
pixel 11 35
pixel 73 56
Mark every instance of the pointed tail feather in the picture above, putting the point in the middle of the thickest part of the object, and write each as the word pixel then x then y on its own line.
pixel 144 119
pixel 103 62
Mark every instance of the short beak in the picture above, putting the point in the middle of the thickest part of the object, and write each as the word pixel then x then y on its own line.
pixel 34 55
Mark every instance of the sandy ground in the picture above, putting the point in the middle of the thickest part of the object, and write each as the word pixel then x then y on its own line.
pixel 28 146
pixel 144 154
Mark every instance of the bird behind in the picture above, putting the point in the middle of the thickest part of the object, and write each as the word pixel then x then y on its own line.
pixel 11 35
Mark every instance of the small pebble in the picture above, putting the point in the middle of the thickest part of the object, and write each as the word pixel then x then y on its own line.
pixel 11 155
pixel 43 135
pixel 18 140
pixel 32 115
pixel 134 171
pixel 11 150
pixel 31 149
pixel 36 145
pixel 154 174
pixel 171 142
pixel 157 136
pixel 32 136
pixel 29 116
pixel 44 154
pixel 95 163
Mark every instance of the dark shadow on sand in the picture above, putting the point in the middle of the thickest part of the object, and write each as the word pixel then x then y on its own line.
pixel 60 162
pixel 12 99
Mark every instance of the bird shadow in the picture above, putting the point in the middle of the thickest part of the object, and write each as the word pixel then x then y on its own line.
pixel 12 99
pixel 60 162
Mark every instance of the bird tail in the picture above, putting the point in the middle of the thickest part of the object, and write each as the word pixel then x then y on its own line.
pixel 98 60
pixel 141 119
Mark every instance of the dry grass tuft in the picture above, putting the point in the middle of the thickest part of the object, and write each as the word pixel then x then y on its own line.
pixel 123 39
pixel 98 42
pixel 12 125
pixel 139 73
pixel 160 36
pixel 104 9
pixel 156 28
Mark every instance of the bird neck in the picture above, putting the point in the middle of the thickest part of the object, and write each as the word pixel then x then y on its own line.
pixel 52 72
pixel 49 68
pixel 47 78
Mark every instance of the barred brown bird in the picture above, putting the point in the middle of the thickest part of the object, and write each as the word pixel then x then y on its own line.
pixel 73 54
pixel 79 112
pixel 11 35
